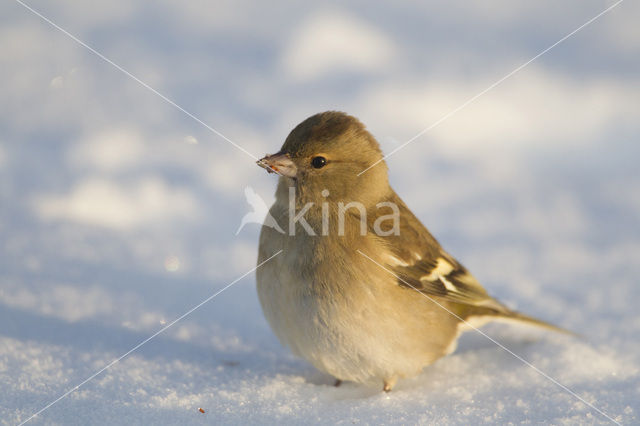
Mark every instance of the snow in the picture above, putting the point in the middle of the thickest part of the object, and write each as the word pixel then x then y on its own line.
pixel 118 212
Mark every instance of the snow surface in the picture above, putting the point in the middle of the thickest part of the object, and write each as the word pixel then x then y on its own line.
pixel 118 212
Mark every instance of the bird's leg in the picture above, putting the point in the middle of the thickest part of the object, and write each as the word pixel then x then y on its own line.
pixel 337 383
pixel 389 383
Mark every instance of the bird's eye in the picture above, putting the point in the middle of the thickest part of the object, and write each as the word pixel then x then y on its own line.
pixel 318 162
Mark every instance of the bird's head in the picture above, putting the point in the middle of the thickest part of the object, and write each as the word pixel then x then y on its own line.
pixel 328 152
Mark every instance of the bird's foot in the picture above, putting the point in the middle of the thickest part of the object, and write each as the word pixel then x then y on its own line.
pixel 389 383
pixel 337 383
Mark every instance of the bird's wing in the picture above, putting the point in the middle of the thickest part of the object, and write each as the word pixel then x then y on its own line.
pixel 444 278
pixel 419 262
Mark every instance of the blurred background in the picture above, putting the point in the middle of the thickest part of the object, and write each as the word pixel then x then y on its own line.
pixel 118 212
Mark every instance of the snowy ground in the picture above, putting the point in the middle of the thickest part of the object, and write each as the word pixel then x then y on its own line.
pixel 118 212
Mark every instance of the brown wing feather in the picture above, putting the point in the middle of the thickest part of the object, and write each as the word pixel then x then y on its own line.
pixel 420 263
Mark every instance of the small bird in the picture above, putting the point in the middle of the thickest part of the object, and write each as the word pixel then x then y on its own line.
pixel 361 289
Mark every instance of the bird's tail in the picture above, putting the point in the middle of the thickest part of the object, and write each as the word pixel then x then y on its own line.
pixel 483 314
pixel 526 319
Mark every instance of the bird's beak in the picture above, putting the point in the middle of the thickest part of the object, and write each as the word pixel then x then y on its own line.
pixel 279 163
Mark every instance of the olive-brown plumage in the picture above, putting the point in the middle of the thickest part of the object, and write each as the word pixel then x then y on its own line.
pixel 364 293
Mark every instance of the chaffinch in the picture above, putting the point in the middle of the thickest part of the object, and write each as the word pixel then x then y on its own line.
pixel 361 289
